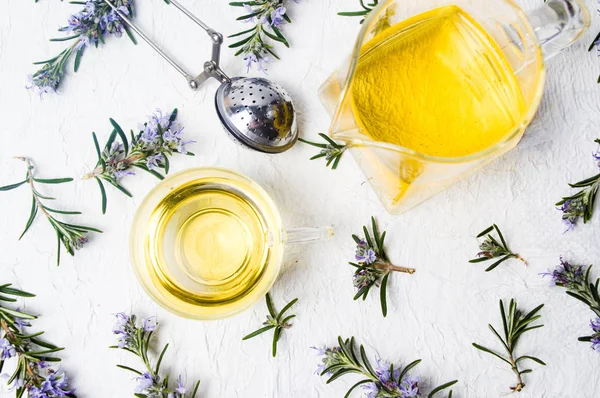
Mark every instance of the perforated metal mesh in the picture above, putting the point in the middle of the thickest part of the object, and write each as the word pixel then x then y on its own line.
pixel 259 113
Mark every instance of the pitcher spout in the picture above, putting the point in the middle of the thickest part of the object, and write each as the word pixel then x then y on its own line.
pixel 558 24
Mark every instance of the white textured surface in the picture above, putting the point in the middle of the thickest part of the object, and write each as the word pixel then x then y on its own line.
pixel 434 314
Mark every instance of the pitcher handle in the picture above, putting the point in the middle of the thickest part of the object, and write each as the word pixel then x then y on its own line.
pixel 558 24
pixel 305 235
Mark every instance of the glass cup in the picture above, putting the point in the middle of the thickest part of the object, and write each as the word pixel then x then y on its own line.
pixel 402 177
pixel 207 243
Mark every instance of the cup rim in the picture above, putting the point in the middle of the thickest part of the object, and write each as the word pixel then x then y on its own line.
pixel 154 196
pixel 506 141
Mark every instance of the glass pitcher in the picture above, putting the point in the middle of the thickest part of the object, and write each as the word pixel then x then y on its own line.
pixel 403 177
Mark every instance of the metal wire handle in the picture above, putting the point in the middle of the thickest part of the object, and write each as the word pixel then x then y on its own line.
pixel 211 68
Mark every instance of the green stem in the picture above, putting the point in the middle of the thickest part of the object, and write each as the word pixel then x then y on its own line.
pixel 518 257
pixel 520 385
pixel 33 190
pixel 390 267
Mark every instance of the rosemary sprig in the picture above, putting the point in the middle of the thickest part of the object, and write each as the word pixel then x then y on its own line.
pixel 267 16
pixel 330 150
pixel 72 236
pixel 492 248
pixel 581 205
pixel 514 325
pixel 373 266
pixel 87 27
pixel 138 341
pixel 274 321
pixel 575 279
pixel 33 374
pixel 383 380
pixel 148 150
pixel 366 9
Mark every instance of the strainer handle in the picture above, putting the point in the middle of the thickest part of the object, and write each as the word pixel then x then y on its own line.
pixel 211 68
pixel 305 235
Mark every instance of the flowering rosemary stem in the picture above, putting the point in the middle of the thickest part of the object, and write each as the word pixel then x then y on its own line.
pixel 390 267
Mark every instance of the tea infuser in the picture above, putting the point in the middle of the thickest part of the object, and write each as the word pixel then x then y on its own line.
pixel 256 112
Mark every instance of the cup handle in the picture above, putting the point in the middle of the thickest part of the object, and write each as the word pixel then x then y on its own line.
pixel 305 235
pixel 558 24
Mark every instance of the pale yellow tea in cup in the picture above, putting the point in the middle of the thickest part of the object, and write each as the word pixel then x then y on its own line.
pixel 207 244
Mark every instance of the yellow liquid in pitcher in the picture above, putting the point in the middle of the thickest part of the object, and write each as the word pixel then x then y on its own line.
pixel 208 246
pixel 438 84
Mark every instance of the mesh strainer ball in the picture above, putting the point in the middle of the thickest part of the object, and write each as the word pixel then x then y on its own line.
pixel 258 113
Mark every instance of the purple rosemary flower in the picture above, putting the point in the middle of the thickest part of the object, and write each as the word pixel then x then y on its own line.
pixel 567 275
pixel 121 320
pixel 331 356
pixel 145 381
pixel 250 11
pixel 250 60
pixel 149 324
pixel 150 136
pixel 367 256
pixel 180 386
pixel 370 389
pixel 85 28
pixel 7 350
pixel 173 141
pixel 55 385
pixel 366 277
pixel 126 331
pixel 320 350
pixel 573 210
pixel 595 338
pixel 21 324
pixel 16 384
pixel 384 373
pixel 153 161
pixel 43 81
pixel 387 384
pixel 162 119
pixel 409 387
pixel 277 18
pixel 123 173
pixel 596 156
pixel 78 241
pixel 260 60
